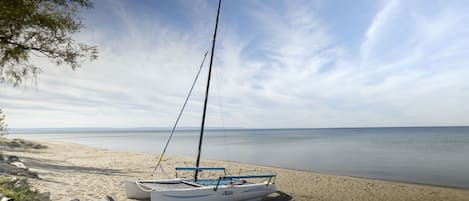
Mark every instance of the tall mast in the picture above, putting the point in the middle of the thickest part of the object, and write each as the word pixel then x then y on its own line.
pixel 206 94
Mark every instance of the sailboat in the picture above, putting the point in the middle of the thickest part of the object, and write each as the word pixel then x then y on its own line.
pixel 226 187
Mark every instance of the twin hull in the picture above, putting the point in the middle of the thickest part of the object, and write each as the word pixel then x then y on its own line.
pixel 141 190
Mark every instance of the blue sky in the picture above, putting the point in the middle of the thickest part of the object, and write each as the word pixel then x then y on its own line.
pixel 277 64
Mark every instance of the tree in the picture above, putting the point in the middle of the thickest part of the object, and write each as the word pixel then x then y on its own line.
pixel 42 28
pixel 3 125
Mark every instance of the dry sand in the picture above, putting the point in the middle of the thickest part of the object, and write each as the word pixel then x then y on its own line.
pixel 75 171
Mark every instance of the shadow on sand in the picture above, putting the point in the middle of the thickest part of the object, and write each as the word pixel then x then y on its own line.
pixel 52 165
pixel 19 145
pixel 278 196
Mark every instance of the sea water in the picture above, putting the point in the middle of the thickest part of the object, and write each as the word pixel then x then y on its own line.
pixel 428 155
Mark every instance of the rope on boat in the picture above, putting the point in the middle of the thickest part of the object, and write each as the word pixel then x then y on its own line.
pixel 179 115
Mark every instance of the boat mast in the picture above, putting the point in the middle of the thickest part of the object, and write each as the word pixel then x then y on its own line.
pixel 206 95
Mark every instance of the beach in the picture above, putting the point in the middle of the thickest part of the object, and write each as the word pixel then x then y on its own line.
pixel 70 170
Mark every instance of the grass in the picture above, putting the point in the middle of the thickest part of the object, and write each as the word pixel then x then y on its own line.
pixel 24 193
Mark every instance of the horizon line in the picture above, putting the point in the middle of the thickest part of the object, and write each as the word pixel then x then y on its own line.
pixel 229 128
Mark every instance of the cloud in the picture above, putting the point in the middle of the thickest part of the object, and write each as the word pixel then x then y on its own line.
pixel 276 65
pixel 141 74
pixel 309 80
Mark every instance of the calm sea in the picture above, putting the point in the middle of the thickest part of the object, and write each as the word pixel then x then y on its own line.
pixel 428 155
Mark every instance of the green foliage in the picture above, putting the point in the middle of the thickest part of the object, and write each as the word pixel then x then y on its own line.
pixel 23 193
pixel 3 125
pixel 42 28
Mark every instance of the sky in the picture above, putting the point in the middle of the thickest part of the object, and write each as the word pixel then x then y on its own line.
pixel 277 64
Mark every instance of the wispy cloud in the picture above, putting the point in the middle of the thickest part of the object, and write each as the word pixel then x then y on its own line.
pixel 277 64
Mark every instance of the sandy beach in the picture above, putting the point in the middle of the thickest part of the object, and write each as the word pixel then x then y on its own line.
pixel 71 171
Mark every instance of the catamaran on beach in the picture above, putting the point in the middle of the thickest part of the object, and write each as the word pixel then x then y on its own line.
pixel 225 187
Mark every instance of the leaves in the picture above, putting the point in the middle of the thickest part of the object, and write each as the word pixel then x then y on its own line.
pixel 23 193
pixel 3 125
pixel 42 28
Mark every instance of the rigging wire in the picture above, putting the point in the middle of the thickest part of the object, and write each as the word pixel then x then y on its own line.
pixel 179 115
pixel 220 106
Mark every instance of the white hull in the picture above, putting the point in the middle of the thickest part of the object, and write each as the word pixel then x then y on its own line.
pixel 223 193
pixel 136 189
pixel 176 190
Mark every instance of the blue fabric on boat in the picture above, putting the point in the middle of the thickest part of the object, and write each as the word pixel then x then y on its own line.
pixel 200 168
pixel 249 176
pixel 214 182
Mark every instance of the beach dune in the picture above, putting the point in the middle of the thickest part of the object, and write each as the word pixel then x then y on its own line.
pixel 71 171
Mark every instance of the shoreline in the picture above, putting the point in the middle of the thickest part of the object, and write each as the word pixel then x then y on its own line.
pixel 404 155
pixel 271 166
pixel 72 170
pixel 339 175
